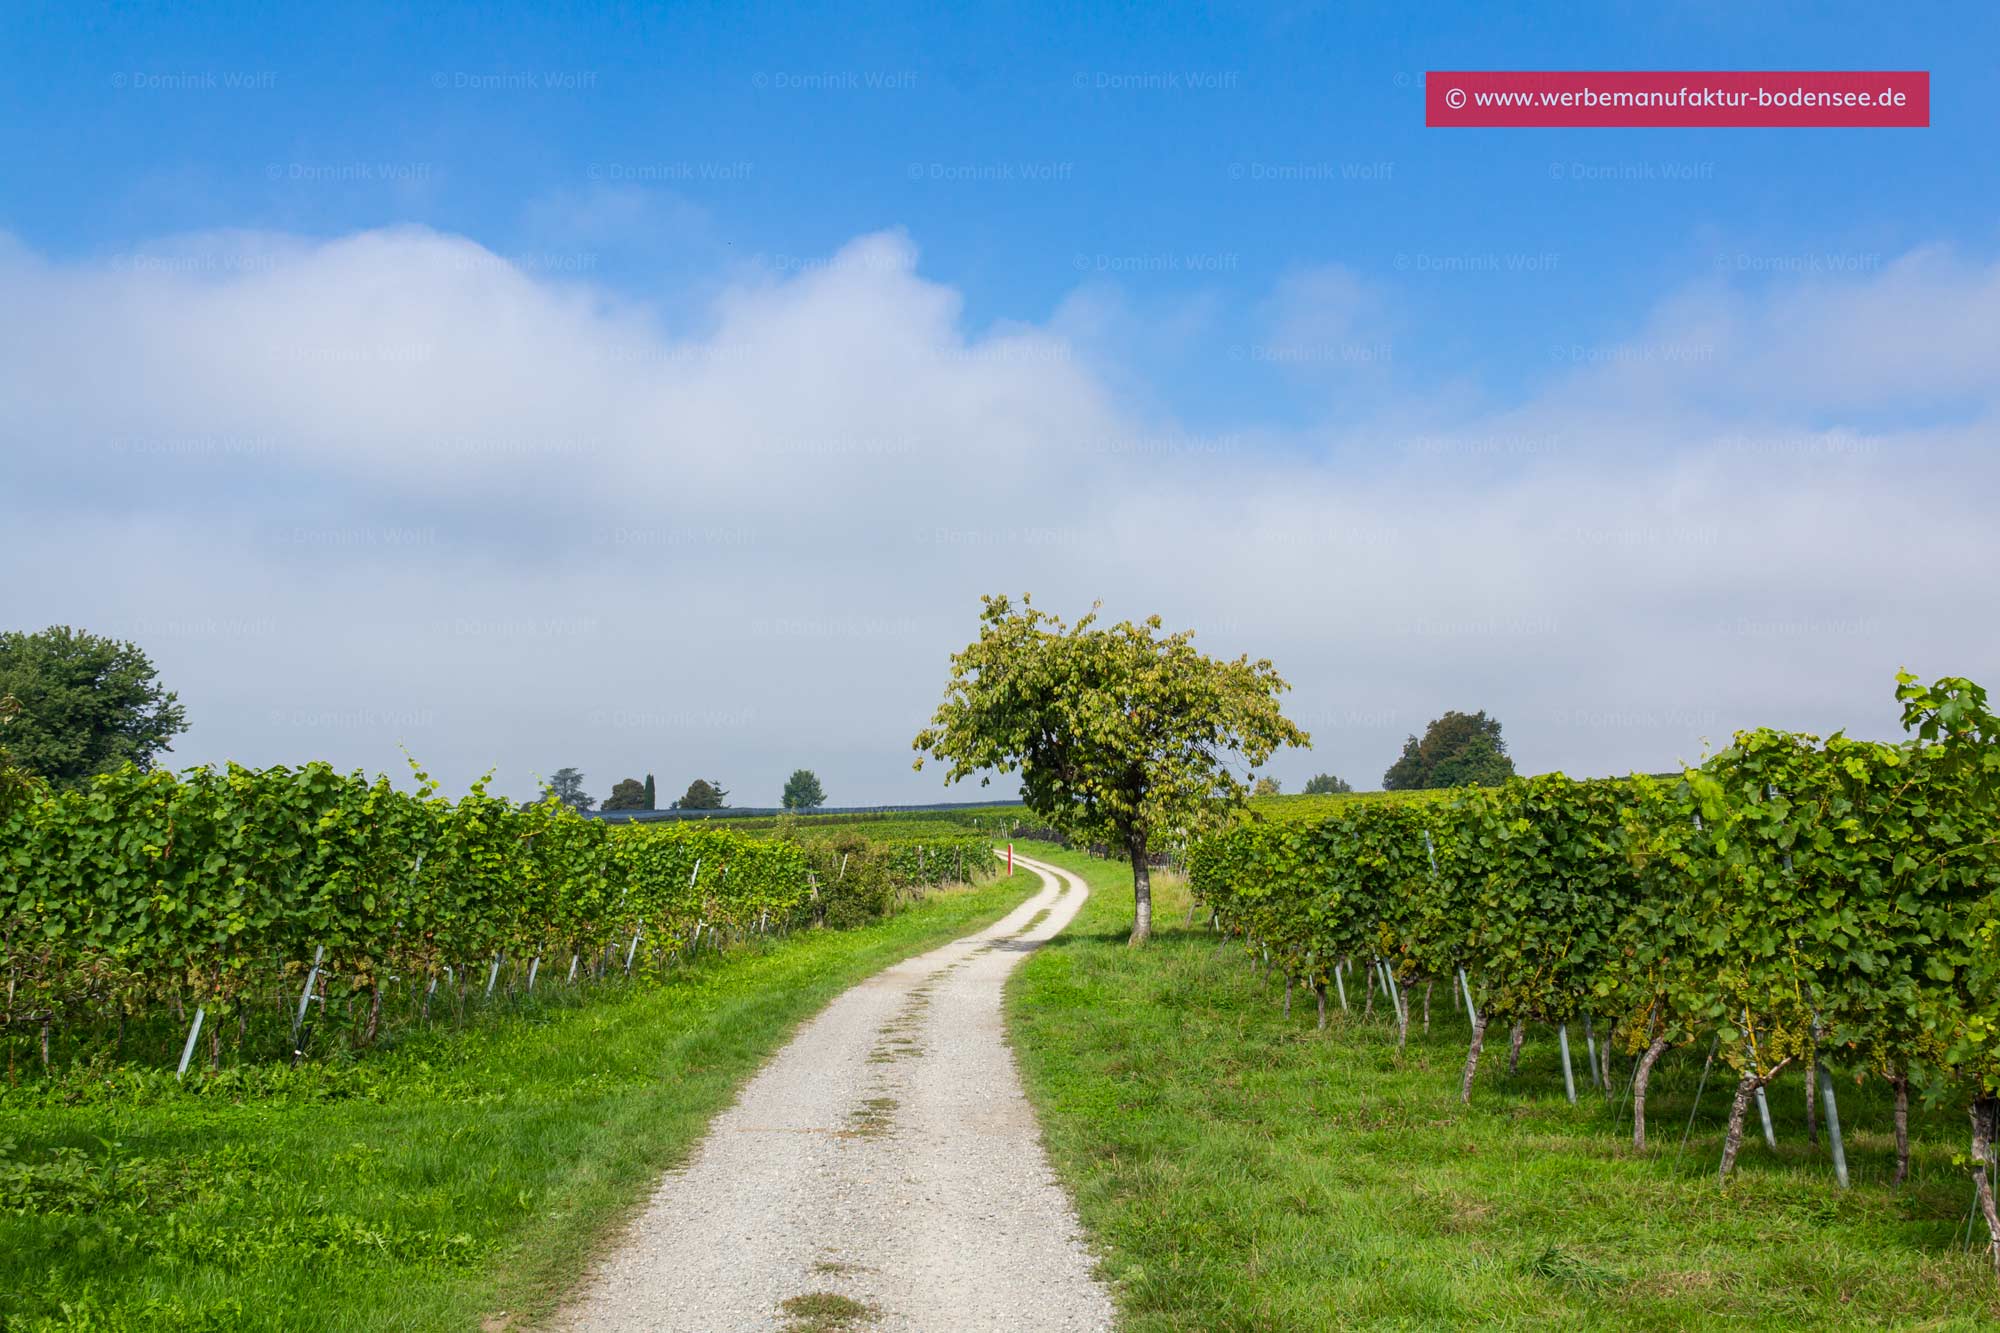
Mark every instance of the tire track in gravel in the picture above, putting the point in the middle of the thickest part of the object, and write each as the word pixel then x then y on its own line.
pixel 883 1172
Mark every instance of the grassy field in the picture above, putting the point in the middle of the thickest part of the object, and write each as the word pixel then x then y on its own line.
pixel 1242 1171
pixel 459 1177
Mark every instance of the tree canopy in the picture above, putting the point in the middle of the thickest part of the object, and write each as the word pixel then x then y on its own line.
pixel 1457 750
pixel 702 795
pixel 627 794
pixel 1267 786
pixel 802 791
pixel 1326 784
pixel 86 705
pixel 1120 733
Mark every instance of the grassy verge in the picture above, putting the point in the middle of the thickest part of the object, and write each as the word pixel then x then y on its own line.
pixel 460 1177
pixel 1239 1170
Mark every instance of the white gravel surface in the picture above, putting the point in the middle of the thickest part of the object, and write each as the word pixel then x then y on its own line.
pixel 887 1155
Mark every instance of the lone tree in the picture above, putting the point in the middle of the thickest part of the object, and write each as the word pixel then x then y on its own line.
pixel 1267 787
pixel 702 795
pixel 1326 784
pixel 566 785
pixel 652 794
pixel 86 705
pixel 803 792
pixel 627 794
pixel 1458 750
pixel 1117 733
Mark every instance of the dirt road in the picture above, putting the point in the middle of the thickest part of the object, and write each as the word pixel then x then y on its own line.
pixel 886 1158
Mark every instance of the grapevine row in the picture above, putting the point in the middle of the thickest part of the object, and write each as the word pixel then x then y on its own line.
pixel 206 890
pixel 1790 900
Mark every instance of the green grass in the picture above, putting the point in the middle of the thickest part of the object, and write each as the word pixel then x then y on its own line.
pixel 459 1177
pixel 1241 1171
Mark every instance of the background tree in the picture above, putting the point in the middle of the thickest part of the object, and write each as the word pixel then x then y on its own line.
pixel 803 792
pixel 1458 750
pixel 566 785
pixel 1266 787
pixel 702 795
pixel 1117 733
pixel 88 705
pixel 652 794
pixel 627 794
pixel 15 783
pixel 1326 784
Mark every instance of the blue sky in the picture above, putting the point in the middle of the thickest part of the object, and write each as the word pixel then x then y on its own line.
pixel 1222 235
pixel 1148 121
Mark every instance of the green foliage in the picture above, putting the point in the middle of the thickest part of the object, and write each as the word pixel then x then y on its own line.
pixel 702 795
pixel 803 792
pixel 1326 784
pixel 1457 750
pixel 86 705
pixel 627 794
pixel 147 888
pixel 1266 786
pixel 652 794
pixel 1118 733
pixel 1791 894
pixel 859 876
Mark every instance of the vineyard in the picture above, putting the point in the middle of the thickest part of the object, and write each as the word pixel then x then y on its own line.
pixel 248 906
pixel 1829 905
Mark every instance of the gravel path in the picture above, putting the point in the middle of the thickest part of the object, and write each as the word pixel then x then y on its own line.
pixel 886 1156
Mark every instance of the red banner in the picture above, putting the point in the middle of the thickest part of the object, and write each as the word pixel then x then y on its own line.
pixel 1677 98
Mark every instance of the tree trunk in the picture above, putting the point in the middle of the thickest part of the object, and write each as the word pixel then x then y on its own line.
pixel 1142 889
pixel 1733 1140
pixel 1427 1006
pixel 1514 1040
pixel 1472 1060
pixel 1738 1109
pixel 1640 1078
pixel 1319 994
pixel 1902 1082
pixel 1288 994
pixel 1983 1109
pixel 374 1015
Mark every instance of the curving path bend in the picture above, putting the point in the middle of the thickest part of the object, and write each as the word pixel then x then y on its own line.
pixel 886 1155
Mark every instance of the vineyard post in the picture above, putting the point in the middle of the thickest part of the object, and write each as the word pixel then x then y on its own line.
pixel 1590 1050
pixel 305 996
pixel 1569 1076
pixel 573 959
pixel 493 974
pixel 632 950
pixel 1341 986
pixel 1010 861
pixel 187 1051
pixel 1833 1127
pixel 533 967
pixel 1466 986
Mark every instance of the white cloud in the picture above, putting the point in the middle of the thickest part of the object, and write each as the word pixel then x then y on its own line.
pixel 392 488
